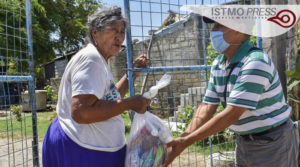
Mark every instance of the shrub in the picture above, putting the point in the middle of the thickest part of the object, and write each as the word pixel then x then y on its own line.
pixel 49 91
pixel 54 98
pixel 294 81
pixel 16 111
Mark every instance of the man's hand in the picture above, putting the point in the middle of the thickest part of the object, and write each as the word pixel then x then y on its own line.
pixel 177 146
pixel 221 121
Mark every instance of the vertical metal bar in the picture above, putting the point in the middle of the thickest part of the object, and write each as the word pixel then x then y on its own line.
pixel 7 123
pixel 259 39
pixel 19 90
pixel 8 86
pixel 206 78
pixel 35 149
pixel 11 124
pixel 190 97
pixel 129 52
pixel 201 59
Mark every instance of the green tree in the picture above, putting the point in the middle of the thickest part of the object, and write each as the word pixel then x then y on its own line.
pixel 68 18
pixel 299 39
pixel 57 26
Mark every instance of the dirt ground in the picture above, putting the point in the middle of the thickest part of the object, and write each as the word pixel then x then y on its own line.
pixel 20 156
pixel 17 154
pixel 191 159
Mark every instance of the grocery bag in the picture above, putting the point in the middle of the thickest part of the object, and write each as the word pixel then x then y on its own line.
pixel 148 138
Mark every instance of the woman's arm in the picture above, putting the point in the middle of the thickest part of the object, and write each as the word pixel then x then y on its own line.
pixel 123 84
pixel 88 108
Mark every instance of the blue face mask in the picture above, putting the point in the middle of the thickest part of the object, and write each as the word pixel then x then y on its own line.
pixel 218 42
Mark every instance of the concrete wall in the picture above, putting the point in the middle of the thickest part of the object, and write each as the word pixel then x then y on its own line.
pixel 60 66
pixel 283 48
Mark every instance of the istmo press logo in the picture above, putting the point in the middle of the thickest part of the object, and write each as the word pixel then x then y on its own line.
pixel 258 20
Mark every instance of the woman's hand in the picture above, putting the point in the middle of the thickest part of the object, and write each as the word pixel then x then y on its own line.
pixel 141 62
pixel 139 104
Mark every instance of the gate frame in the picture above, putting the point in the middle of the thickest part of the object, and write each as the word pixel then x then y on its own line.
pixel 205 67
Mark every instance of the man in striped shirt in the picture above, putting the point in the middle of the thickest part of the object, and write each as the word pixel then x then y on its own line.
pixel 246 82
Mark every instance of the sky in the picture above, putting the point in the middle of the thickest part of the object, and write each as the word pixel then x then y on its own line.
pixel 148 15
pixel 110 3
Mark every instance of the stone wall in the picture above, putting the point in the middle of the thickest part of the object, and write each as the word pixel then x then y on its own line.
pixel 118 65
pixel 179 44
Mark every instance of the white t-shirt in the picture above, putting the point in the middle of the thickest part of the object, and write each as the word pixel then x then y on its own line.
pixel 88 73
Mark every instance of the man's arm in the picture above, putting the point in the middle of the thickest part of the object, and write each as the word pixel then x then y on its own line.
pixel 204 113
pixel 88 108
pixel 222 120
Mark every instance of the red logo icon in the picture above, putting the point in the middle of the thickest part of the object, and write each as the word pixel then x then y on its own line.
pixel 284 18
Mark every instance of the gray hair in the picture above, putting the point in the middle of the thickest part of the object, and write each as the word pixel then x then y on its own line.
pixel 102 18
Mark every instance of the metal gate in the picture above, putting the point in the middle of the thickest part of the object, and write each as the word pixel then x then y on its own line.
pixel 18 129
pixel 178 44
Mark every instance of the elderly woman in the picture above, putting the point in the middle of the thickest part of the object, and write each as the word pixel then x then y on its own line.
pixel 89 130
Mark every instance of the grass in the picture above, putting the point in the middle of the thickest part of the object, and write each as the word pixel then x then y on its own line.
pixel 9 126
pixel 220 143
pixel 16 129
pixel 205 150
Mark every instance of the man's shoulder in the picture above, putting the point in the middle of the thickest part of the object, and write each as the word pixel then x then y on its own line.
pixel 258 55
pixel 218 59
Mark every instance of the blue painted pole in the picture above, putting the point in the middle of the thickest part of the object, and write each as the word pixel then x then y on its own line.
pixel 259 39
pixel 206 76
pixel 129 52
pixel 35 149
pixel 172 68
pixel 5 78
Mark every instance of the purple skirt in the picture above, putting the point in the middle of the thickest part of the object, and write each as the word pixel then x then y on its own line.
pixel 60 151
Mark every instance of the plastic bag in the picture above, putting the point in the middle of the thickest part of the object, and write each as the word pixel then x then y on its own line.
pixel 147 141
pixel 164 81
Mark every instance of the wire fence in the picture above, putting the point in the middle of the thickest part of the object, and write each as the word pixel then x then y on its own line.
pixel 18 126
pixel 178 44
